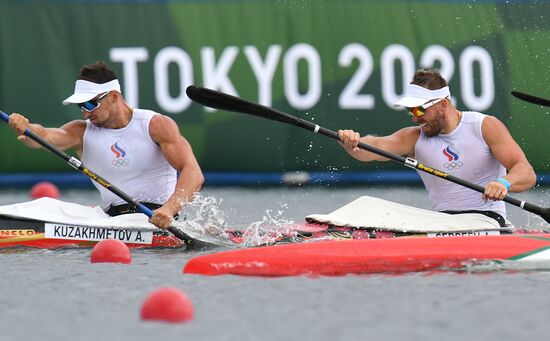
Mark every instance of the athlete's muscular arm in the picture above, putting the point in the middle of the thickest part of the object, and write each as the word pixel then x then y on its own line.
pixel 520 174
pixel 68 136
pixel 401 142
pixel 178 152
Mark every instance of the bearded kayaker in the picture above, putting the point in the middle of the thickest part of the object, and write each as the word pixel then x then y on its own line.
pixel 466 144
pixel 138 150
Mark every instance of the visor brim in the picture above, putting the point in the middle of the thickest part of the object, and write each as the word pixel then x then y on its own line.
pixel 80 97
pixel 410 102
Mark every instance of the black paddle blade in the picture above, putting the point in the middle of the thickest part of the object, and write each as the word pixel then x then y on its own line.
pixel 222 101
pixel 531 98
pixel 217 100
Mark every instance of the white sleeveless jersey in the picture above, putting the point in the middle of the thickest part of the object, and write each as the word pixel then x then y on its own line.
pixel 464 154
pixel 129 159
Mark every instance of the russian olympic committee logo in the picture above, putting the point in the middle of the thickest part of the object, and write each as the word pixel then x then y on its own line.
pixel 452 154
pixel 120 159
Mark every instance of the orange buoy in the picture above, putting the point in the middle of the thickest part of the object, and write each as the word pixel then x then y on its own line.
pixel 44 189
pixel 111 251
pixel 167 305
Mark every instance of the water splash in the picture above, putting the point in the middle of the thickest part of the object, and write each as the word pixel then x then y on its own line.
pixel 271 229
pixel 275 228
pixel 202 219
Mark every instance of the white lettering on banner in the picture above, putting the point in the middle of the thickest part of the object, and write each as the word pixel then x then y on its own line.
pixel 390 56
pixel 302 73
pixel 216 76
pixel 291 76
pixel 446 66
pixel 72 232
pixel 183 62
pixel 129 57
pixel 438 53
pixel 350 97
pixel 463 234
pixel 264 72
pixel 480 56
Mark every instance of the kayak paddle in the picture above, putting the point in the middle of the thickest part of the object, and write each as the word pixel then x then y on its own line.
pixel 78 165
pixel 531 98
pixel 223 101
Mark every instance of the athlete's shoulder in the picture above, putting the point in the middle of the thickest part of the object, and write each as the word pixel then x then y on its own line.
pixel 473 116
pixel 144 114
pixel 412 132
pixel 76 127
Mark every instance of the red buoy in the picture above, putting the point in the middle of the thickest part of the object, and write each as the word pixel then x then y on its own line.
pixel 44 189
pixel 111 251
pixel 167 305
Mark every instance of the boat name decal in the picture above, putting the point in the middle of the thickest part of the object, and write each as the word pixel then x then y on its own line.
pixel 60 231
pixel 468 233
pixel 16 233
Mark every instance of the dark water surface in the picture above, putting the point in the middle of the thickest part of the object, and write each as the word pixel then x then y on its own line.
pixel 60 295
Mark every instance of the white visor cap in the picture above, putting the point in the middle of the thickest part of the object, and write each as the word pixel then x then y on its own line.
pixel 85 90
pixel 416 96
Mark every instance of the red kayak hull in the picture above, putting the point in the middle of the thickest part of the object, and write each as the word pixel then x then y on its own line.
pixel 343 257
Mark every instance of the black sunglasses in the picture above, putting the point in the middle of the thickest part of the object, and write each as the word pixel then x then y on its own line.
pixel 92 104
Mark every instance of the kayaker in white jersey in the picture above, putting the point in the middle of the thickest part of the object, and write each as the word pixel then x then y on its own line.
pixel 139 151
pixel 466 144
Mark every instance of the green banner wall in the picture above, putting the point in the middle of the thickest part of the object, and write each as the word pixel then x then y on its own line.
pixel 340 63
